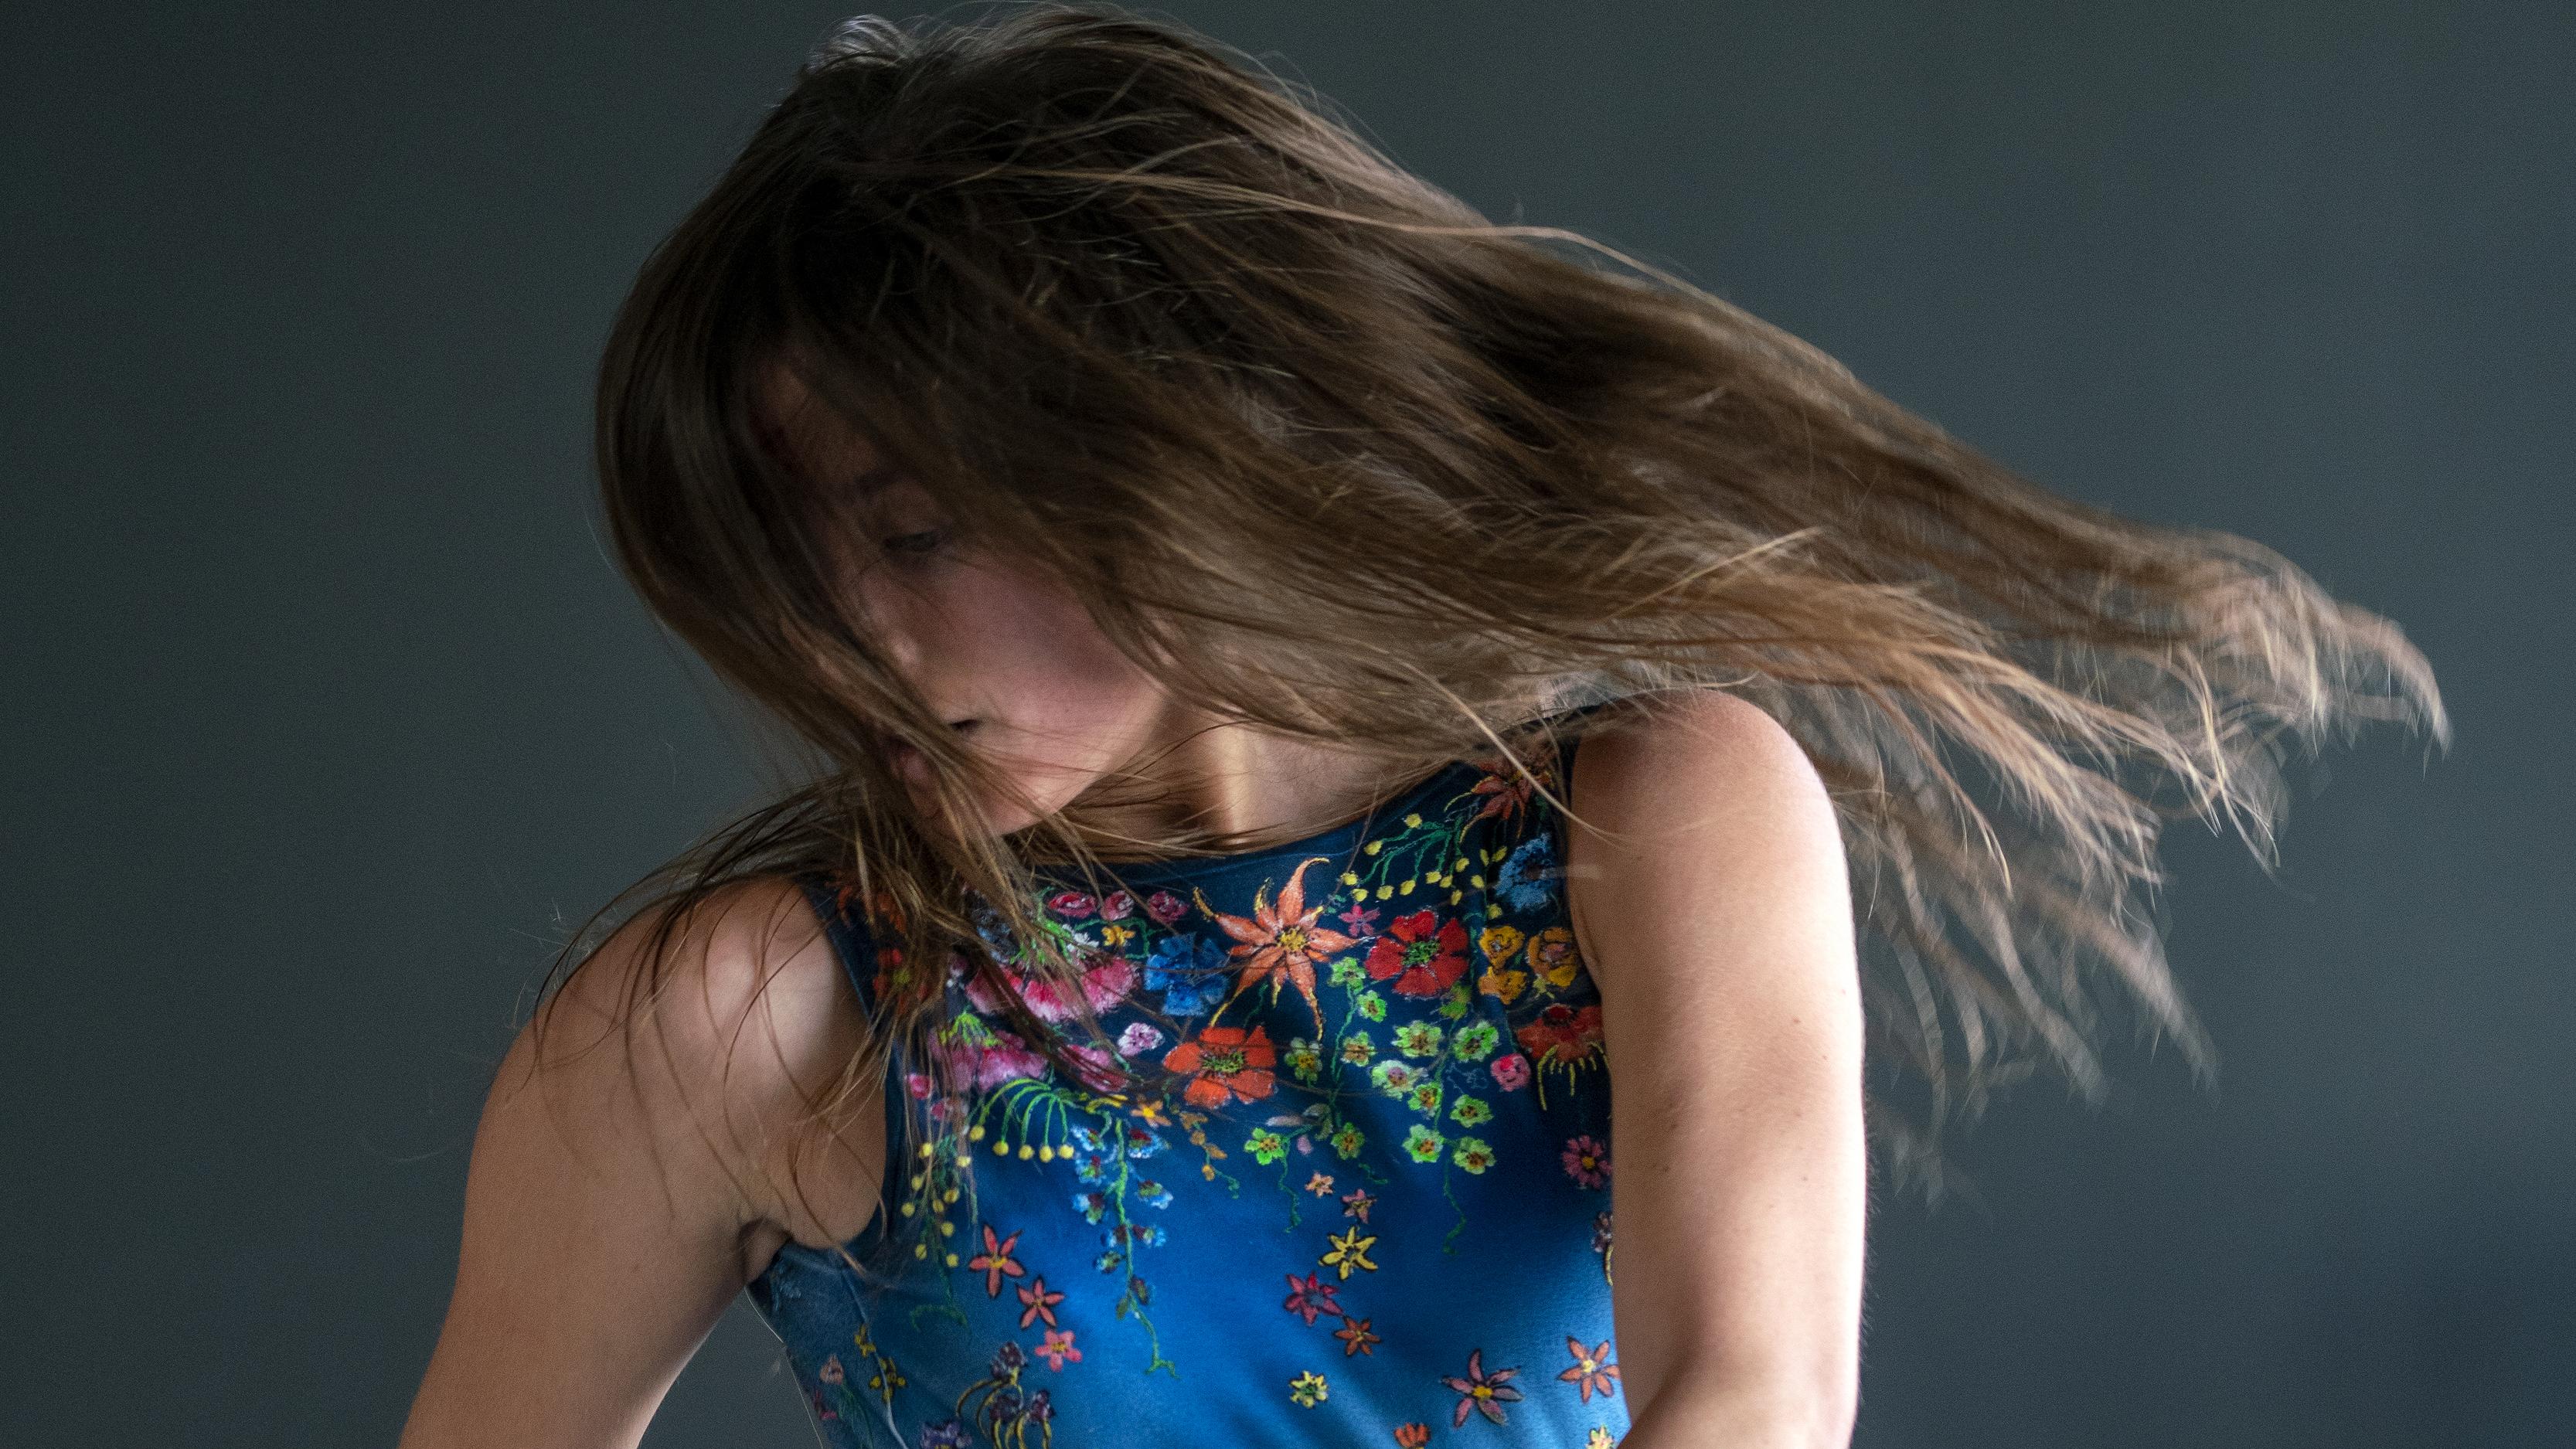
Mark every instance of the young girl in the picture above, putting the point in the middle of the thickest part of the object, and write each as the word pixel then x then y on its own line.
pixel 1304 690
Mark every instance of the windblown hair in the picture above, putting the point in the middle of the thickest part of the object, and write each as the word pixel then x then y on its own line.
pixel 1322 449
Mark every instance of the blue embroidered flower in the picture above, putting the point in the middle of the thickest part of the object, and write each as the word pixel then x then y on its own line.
pixel 1528 878
pixel 1190 972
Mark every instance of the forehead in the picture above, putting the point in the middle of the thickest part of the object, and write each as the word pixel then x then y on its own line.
pixel 813 439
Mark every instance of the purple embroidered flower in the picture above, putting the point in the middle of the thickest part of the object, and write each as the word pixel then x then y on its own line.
pixel 1481 1392
pixel 1587 1160
pixel 946 1434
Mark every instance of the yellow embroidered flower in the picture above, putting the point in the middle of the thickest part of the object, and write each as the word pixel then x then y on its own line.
pixel 1349 1251
pixel 1308 1389
pixel 1504 986
pixel 1499 942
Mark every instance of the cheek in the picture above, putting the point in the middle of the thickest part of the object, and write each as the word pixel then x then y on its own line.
pixel 1047 667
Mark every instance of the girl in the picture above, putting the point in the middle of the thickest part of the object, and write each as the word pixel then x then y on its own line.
pixel 1304 690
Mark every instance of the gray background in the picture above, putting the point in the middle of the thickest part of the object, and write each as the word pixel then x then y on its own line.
pixel 326 707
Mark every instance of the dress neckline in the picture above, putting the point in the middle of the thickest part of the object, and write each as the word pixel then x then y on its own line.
pixel 1332 841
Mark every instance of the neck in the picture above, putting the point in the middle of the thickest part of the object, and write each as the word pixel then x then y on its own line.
pixel 1204 777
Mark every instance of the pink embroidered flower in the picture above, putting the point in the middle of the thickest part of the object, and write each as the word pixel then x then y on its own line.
pixel 1587 1160
pixel 1117 906
pixel 1101 1070
pixel 1058 1348
pixel 1166 907
pixel 917 1083
pixel 1139 1038
pixel 1006 1059
pixel 1106 981
pixel 1072 905
pixel 1511 1073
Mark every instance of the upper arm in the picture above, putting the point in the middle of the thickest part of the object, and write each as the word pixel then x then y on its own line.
pixel 621 1165
pixel 1718 927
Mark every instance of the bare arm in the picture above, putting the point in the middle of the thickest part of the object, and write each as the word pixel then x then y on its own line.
pixel 1720 933
pixel 619 1193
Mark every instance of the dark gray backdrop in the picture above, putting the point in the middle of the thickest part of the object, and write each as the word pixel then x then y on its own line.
pixel 326 706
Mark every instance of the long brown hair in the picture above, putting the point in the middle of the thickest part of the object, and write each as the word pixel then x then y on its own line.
pixel 1323 450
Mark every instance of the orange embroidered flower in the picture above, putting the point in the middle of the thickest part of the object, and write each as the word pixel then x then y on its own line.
pixel 1506 790
pixel 1280 943
pixel 1592 1371
pixel 996 1262
pixel 1038 1301
pixel 1412 1436
pixel 1355 1336
pixel 1225 1062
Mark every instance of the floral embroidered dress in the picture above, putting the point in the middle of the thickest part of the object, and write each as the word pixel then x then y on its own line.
pixel 1365 1200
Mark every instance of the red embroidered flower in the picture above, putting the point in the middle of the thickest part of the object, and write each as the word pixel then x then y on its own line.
pixel 1225 1062
pixel 1422 953
pixel 1310 1296
pixel 1562 1035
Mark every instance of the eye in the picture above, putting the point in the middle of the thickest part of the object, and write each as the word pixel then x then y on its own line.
pixel 915 544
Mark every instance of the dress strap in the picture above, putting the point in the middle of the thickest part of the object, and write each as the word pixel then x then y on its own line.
pixel 837 904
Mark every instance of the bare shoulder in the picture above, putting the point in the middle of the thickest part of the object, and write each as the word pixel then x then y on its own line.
pixel 1702 807
pixel 697 1039
pixel 1707 762
pixel 621 1186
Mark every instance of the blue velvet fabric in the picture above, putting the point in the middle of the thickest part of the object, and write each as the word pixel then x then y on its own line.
pixel 1364 1198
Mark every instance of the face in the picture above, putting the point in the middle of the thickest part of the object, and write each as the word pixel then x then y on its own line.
pixel 1005 656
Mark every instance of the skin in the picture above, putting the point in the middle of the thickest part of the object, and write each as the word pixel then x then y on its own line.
pixel 623 1188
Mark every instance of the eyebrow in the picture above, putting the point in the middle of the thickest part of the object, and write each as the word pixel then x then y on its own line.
pixel 875 480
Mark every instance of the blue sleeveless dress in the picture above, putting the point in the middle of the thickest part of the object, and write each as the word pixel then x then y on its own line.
pixel 1368 1202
